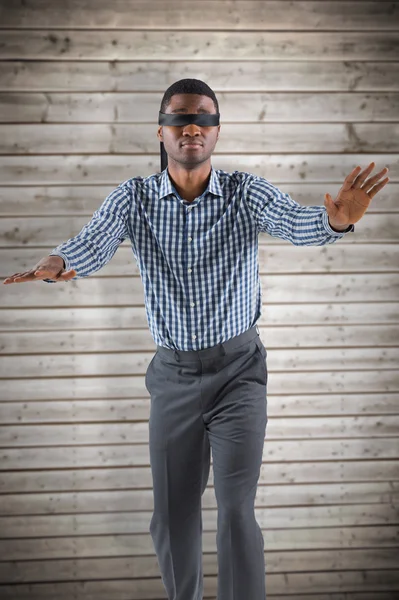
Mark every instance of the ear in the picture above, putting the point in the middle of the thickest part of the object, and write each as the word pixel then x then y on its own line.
pixel 159 133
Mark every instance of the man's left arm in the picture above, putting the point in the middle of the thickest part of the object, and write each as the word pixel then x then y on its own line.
pixel 279 215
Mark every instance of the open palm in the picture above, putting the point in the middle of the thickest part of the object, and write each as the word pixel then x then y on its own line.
pixel 354 197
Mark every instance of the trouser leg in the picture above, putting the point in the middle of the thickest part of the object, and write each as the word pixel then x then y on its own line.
pixel 180 462
pixel 237 426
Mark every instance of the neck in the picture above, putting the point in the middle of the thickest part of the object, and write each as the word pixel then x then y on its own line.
pixel 190 183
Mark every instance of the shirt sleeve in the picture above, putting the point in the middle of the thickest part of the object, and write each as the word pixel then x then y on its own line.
pixel 98 241
pixel 277 214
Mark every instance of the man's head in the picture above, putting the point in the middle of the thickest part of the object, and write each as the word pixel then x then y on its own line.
pixel 189 96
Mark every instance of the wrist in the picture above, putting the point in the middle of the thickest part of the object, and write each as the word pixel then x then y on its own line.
pixel 337 228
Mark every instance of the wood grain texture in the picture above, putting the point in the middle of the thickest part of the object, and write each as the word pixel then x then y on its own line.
pixel 294 316
pixel 241 14
pixel 125 386
pixel 127 291
pixel 235 139
pixel 46 232
pixel 377 338
pixel 73 44
pixel 306 453
pixel 64 201
pixel 307 91
pixel 234 108
pixel 117 477
pixel 278 584
pixel 282 257
pixel 114 169
pixel 124 567
pixel 313 538
pixel 224 76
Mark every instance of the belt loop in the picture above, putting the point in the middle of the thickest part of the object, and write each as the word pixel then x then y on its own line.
pixel 176 354
pixel 257 330
pixel 223 350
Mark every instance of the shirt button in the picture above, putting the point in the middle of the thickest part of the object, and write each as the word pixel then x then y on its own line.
pixel 190 239
pixel 192 304
pixel 194 337
pixel 190 270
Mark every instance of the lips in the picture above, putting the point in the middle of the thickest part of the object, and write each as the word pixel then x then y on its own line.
pixel 191 144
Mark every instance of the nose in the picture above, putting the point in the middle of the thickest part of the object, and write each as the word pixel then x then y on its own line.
pixel 191 129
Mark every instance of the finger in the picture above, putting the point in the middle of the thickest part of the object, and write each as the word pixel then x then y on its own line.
pixel 34 274
pixel 363 175
pixel 11 278
pixel 22 277
pixel 378 187
pixel 349 180
pixel 373 180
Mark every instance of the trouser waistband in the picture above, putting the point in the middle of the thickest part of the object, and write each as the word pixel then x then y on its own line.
pixel 212 352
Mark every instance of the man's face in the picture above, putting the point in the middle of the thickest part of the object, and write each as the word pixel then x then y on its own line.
pixel 176 138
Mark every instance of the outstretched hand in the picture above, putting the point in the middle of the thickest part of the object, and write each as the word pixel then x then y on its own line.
pixel 49 267
pixel 354 197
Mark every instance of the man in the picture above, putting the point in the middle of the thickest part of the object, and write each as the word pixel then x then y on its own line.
pixel 194 232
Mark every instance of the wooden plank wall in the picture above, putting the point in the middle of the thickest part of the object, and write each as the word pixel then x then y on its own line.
pixel 307 91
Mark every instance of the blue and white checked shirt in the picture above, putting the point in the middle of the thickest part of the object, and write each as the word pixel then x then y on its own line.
pixel 198 261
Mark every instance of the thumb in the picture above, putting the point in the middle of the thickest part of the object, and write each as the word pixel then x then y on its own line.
pixel 330 205
pixel 66 275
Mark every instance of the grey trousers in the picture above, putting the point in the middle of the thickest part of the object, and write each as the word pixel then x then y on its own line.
pixel 202 400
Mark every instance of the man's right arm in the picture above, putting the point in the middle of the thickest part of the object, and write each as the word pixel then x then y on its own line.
pixel 97 242
pixel 90 249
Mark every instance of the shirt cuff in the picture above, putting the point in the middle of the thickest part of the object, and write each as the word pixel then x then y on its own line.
pixel 331 231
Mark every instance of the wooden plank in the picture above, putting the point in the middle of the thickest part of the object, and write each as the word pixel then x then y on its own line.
pixel 338 258
pixel 318 494
pixel 254 15
pixel 139 107
pixel 119 568
pixel 112 169
pixel 86 411
pixel 377 337
pixel 125 386
pixel 118 455
pixel 329 582
pixel 125 291
pixel 385 536
pixel 274 323
pixel 279 428
pixel 70 44
pixel 138 521
pixel 97 362
pixel 88 479
pixel 339 596
pixel 51 231
pixel 77 200
pixel 235 138
pixel 227 76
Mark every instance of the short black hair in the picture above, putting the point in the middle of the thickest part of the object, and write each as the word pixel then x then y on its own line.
pixel 188 86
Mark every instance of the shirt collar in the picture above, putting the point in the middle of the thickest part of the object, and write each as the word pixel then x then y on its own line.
pixel 166 187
